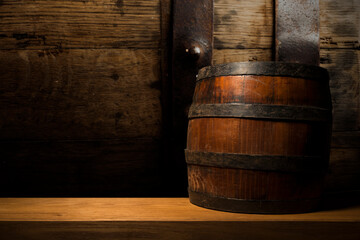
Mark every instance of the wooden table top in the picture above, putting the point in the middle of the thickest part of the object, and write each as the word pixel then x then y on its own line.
pixel 146 209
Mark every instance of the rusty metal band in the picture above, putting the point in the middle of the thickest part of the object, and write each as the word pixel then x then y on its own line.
pixel 260 111
pixel 283 69
pixel 297 31
pixel 303 164
pixel 253 206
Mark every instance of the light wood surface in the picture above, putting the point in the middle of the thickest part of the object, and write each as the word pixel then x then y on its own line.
pixel 162 218
pixel 145 209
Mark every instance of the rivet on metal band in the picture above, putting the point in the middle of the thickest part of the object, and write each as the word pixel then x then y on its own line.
pixel 260 111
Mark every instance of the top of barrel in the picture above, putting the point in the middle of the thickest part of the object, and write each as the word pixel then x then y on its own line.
pixel 264 69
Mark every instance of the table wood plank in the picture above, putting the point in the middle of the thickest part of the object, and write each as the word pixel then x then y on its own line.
pixel 145 209
pixel 162 218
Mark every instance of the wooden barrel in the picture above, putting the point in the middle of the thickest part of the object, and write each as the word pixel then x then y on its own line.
pixel 258 137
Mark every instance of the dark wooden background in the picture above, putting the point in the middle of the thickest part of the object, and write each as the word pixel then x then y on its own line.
pixel 85 91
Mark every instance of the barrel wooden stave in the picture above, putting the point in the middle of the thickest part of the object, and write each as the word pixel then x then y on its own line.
pixel 214 187
pixel 253 185
pixel 248 136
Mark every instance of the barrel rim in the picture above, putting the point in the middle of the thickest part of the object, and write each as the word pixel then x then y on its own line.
pixel 295 70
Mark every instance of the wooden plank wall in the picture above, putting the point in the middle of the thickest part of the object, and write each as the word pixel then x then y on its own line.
pixel 80 109
pixel 82 82
pixel 244 32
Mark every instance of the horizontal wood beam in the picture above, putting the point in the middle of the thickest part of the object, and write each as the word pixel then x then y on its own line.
pixel 162 218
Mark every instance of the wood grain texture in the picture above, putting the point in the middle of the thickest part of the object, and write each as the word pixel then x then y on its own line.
pixel 344 167
pixel 51 27
pixel 80 103
pixel 277 138
pixel 162 218
pixel 252 89
pixel 344 70
pixel 114 24
pixel 180 230
pixel 80 122
pixel 339 42
pixel 243 24
pixel 241 55
pixel 258 136
pixel 61 24
pixel 146 209
pixel 339 24
pixel 249 24
pixel 254 184
pixel 343 66
pixel 79 94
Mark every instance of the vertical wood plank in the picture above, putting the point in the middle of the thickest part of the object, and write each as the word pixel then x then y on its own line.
pixel 80 97
pixel 339 24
